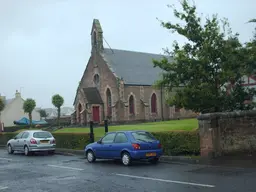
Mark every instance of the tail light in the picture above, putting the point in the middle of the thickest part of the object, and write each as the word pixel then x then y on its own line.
pixel 53 141
pixel 159 146
pixel 136 146
pixel 33 141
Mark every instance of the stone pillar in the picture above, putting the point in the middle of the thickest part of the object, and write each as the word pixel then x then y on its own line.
pixel 209 135
pixel 114 114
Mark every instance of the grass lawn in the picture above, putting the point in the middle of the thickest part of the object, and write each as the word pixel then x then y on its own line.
pixel 173 125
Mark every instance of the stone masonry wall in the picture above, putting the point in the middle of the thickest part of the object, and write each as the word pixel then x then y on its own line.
pixel 227 133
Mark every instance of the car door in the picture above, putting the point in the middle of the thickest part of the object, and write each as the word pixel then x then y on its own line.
pixel 120 143
pixel 106 146
pixel 23 140
pixel 16 141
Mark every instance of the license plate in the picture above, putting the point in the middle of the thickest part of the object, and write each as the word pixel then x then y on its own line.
pixel 44 142
pixel 150 154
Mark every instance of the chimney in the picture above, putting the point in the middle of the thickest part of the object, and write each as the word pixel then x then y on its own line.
pixel 17 94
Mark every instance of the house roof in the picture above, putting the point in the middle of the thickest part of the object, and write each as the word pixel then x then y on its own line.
pixel 92 95
pixel 135 68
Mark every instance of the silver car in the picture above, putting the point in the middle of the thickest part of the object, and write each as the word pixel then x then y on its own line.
pixel 32 141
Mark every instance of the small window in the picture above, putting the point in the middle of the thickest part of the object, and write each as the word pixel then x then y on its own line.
pixel 25 135
pixel 153 103
pixel 19 135
pixel 143 136
pixel 121 138
pixel 43 134
pixel 109 138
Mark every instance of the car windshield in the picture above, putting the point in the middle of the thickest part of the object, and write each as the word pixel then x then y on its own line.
pixel 42 134
pixel 143 136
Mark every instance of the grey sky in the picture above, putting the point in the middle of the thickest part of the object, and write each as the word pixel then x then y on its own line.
pixel 45 44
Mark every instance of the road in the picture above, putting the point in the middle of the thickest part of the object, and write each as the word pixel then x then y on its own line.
pixel 44 173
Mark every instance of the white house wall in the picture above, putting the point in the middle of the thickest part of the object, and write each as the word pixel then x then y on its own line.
pixel 14 112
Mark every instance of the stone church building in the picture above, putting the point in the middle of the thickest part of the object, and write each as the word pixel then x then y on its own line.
pixel 117 85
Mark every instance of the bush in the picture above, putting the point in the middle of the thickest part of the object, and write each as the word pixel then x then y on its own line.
pixel 5 137
pixel 174 143
pixel 63 140
pixel 19 127
pixel 179 142
pixel 15 128
pixel 72 140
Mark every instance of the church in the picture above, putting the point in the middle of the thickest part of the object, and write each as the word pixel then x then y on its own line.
pixel 117 85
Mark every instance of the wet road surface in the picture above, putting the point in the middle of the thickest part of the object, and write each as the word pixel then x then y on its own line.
pixel 45 173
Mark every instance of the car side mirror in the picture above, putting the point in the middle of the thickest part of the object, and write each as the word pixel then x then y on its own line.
pixel 99 142
pixel 15 138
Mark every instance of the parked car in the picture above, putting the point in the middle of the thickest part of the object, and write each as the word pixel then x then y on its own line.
pixel 125 145
pixel 32 141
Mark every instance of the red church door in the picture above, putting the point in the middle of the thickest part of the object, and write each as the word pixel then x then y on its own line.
pixel 96 113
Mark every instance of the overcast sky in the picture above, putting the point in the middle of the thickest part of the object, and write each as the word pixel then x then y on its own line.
pixel 45 44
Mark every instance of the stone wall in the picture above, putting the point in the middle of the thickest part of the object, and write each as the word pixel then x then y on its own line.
pixel 227 133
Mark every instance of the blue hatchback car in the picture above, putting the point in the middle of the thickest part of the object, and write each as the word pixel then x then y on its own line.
pixel 125 145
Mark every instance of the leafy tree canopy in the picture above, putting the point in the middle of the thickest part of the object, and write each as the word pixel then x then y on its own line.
pixel 29 105
pixel 57 100
pixel 2 105
pixel 201 68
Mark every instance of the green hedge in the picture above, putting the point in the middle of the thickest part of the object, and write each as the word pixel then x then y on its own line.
pixel 174 143
pixel 72 140
pixel 179 142
pixel 63 140
pixel 19 127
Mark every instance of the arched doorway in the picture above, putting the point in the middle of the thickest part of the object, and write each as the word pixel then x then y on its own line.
pixel 79 113
pixel 109 103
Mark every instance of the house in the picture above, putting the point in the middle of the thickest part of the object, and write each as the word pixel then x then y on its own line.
pixel 13 110
pixel 117 85
pixel 52 112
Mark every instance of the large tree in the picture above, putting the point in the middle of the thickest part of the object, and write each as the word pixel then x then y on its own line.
pixel 251 48
pixel 58 101
pixel 28 107
pixel 201 68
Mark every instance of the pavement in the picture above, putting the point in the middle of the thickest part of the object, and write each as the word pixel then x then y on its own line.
pixel 54 173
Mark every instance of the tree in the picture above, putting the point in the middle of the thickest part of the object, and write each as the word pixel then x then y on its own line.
pixel 200 70
pixel 42 113
pixel 251 48
pixel 2 105
pixel 57 101
pixel 252 21
pixel 28 107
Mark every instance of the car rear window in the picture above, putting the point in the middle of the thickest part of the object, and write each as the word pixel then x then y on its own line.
pixel 143 136
pixel 42 134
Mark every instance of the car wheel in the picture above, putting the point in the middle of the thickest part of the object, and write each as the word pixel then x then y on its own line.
pixel 10 150
pixel 155 160
pixel 126 159
pixel 26 151
pixel 90 156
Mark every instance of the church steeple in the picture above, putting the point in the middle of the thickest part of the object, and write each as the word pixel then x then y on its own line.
pixel 96 36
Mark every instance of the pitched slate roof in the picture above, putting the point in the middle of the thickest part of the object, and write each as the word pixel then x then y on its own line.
pixel 136 68
pixel 92 95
